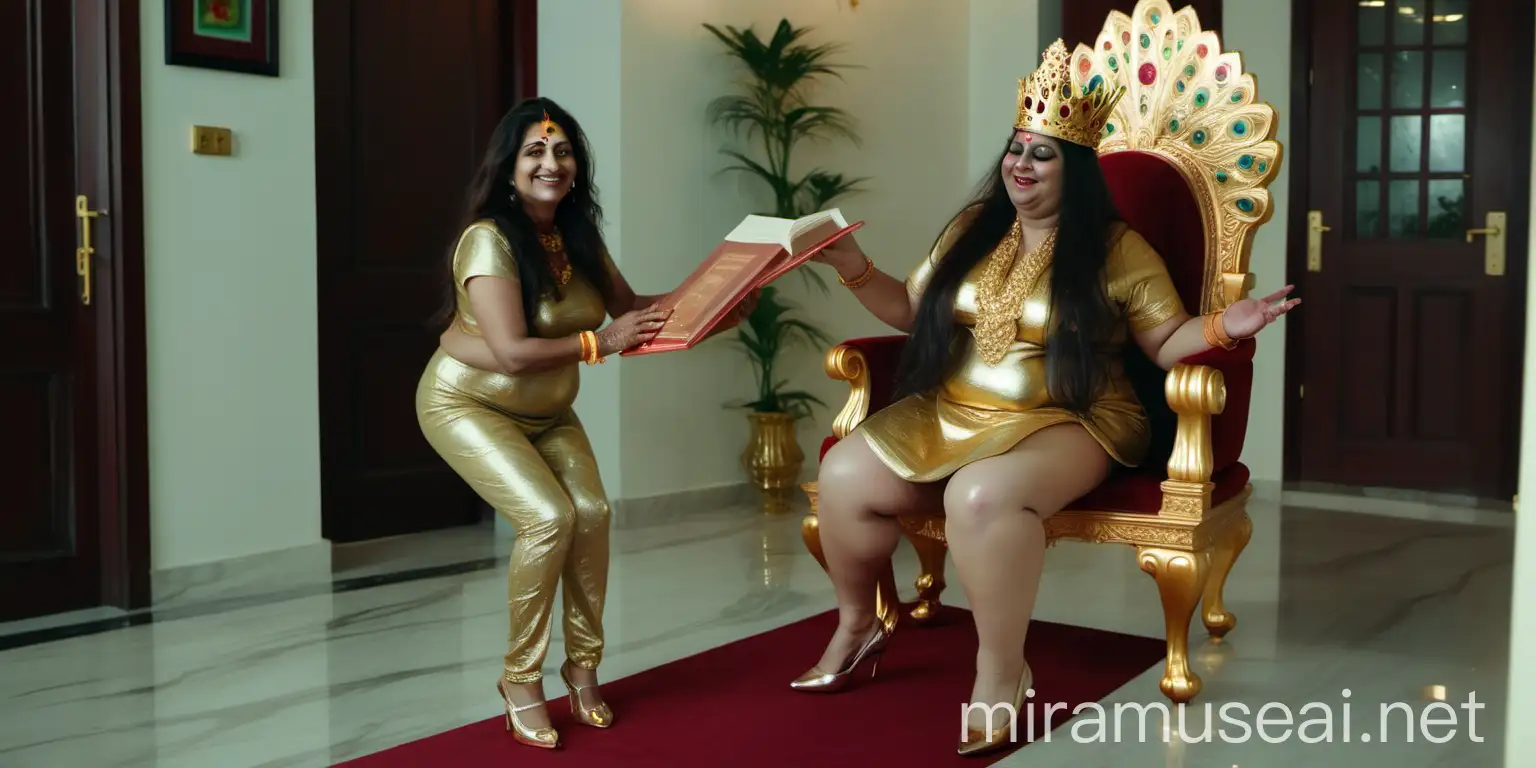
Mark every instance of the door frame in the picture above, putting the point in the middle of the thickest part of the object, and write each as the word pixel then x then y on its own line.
pixel 121 385
pixel 333 86
pixel 1299 160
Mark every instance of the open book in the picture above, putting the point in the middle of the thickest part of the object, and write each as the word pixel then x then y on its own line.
pixel 758 251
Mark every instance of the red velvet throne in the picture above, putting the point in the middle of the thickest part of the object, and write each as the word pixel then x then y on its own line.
pixel 1188 155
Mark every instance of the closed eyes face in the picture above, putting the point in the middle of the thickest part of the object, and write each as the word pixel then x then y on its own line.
pixel 1032 171
pixel 546 165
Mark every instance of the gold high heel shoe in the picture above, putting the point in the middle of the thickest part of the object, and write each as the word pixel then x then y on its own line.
pixel 599 716
pixel 816 681
pixel 544 738
pixel 980 741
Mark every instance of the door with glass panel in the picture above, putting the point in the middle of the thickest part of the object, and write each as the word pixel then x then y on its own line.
pixel 1417 168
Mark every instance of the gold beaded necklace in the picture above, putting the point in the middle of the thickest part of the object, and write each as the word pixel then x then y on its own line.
pixel 1001 290
pixel 554 245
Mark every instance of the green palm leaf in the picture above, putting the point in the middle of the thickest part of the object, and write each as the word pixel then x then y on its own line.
pixel 773 111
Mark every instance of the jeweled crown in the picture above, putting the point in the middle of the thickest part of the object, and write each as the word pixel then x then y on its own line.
pixel 1050 103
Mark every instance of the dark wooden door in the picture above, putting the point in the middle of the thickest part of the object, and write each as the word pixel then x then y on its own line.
pixel 1418 135
pixel 72 502
pixel 407 94
pixel 1082 20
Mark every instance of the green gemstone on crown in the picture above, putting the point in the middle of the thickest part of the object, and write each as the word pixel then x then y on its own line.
pixel 1173 125
pixel 1245 205
pixel 1202 97
pixel 1189 70
pixel 1221 177
pixel 1245 162
pixel 1156 18
pixel 1199 137
pixel 1146 40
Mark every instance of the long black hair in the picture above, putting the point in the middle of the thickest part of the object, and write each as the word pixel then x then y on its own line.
pixel 1082 315
pixel 578 216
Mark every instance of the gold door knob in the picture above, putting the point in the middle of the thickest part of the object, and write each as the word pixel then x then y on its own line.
pixel 1493 244
pixel 84 253
pixel 1315 230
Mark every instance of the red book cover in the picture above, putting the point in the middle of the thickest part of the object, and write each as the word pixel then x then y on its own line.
pixel 758 251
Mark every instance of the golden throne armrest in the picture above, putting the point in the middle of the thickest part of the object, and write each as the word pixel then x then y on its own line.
pixel 846 362
pixel 1195 393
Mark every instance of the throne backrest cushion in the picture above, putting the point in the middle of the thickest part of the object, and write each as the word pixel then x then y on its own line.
pixel 1154 199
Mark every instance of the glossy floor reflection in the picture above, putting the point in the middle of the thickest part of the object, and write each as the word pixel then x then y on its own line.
pixel 1390 608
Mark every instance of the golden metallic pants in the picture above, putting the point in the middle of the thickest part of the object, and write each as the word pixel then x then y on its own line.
pixel 538 472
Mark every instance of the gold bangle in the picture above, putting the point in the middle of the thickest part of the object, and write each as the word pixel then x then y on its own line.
pixel 589 349
pixel 1215 333
pixel 866 276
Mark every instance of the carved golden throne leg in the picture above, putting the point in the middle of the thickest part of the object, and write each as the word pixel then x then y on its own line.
pixel 930 578
pixel 1218 620
pixel 1181 577
pixel 887 600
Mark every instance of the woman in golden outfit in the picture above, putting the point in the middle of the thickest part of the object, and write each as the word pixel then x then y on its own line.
pixel 531 285
pixel 1016 402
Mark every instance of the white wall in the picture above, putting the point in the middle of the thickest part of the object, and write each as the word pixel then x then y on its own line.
pixel 1520 744
pixel 1260 30
pixel 662 172
pixel 230 265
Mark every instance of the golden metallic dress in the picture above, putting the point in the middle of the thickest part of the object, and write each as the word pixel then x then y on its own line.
pixel 985 408
pixel 518 443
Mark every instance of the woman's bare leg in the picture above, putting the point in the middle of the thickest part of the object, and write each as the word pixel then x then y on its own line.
pixel 995 511
pixel 858 500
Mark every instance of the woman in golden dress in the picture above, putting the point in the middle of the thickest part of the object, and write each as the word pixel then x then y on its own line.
pixel 531 284
pixel 1014 401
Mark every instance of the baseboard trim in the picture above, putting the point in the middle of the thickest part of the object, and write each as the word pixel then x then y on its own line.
pixel 243 577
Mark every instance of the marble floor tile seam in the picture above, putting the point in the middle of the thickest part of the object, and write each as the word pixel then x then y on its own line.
pixel 214 607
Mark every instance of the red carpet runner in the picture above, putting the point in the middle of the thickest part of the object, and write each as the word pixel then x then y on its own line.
pixel 732 705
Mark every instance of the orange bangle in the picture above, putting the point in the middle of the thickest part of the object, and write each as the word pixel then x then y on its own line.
pixel 868 275
pixel 589 348
pixel 1214 331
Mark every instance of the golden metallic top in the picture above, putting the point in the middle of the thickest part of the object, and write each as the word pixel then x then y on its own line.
pixel 1050 103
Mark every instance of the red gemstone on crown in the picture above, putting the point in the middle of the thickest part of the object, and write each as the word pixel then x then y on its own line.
pixel 1147 73
pixel 1065 111
pixel 1202 51
pixel 1221 73
pixel 1106 45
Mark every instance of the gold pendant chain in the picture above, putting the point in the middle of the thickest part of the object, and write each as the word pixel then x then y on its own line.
pixel 1002 288
pixel 554 244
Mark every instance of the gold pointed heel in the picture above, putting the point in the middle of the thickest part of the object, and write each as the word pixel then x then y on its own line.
pixel 816 681
pixel 980 741
pixel 543 738
pixel 599 716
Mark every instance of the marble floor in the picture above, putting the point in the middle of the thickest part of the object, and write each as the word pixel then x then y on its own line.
pixel 1396 604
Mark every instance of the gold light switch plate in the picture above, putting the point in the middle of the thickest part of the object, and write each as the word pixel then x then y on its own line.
pixel 208 140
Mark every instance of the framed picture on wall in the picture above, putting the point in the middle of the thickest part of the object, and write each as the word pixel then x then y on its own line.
pixel 232 35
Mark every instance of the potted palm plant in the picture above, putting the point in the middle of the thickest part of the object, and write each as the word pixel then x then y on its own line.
pixel 773 110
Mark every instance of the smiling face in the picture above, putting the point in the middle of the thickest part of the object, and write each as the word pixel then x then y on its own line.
pixel 545 166
pixel 1032 171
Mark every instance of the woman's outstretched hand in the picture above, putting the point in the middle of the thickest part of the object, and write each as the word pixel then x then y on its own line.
pixel 1244 319
pixel 630 329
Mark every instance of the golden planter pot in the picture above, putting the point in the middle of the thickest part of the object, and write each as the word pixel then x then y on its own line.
pixel 773 456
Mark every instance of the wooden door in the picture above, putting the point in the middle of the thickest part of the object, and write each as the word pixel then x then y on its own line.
pixel 407 94
pixel 1082 20
pixel 73 507
pixel 1418 131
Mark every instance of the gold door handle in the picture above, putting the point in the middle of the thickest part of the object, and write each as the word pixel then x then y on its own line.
pixel 1315 230
pixel 1493 243
pixel 84 253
